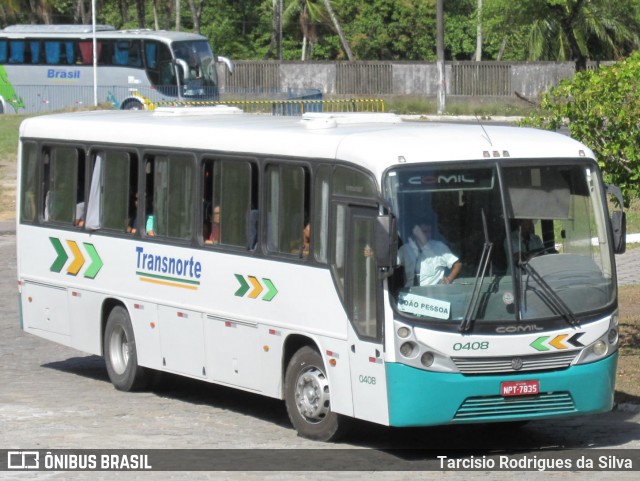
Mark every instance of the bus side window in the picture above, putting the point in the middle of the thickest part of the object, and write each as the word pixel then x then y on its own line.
pixel 135 55
pixel 169 196
pixel 16 51
pixel 287 209
pixel 85 56
pixel 34 50
pixel 64 185
pixel 52 52
pixel 3 51
pixel 119 189
pixel 229 203
pixel 29 180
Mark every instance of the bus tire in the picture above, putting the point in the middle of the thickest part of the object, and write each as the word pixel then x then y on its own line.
pixel 307 397
pixel 120 353
pixel 132 105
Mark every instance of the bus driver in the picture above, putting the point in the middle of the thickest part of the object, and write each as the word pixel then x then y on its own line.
pixel 426 261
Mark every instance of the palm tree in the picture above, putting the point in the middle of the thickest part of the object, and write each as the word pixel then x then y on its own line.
pixel 572 29
pixel 338 29
pixel 196 13
pixel 310 13
pixel 9 12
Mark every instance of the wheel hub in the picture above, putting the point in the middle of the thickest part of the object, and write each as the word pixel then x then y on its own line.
pixel 312 395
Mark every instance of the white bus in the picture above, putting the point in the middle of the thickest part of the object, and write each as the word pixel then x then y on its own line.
pixel 263 253
pixel 50 67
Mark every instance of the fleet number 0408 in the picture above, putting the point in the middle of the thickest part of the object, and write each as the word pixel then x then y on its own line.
pixel 471 346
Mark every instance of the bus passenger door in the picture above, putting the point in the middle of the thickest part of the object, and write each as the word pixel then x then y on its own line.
pixel 363 301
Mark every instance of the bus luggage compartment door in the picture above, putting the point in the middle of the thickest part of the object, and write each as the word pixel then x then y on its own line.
pixel 45 311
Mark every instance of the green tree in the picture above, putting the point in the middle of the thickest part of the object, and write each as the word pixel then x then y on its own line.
pixel 602 108
pixel 562 30
pixel 390 29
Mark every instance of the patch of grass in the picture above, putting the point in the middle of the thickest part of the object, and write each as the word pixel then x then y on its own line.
pixel 628 378
pixel 9 127
pixel 481 107
pixel 633 216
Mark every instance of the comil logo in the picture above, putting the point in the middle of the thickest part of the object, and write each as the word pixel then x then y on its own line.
pixel 442 179
pixel 23 460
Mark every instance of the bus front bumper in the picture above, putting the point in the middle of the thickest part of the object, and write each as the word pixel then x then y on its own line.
pixel 424 398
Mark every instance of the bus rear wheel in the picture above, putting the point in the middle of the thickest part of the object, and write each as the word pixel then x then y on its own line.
pixel 308 398
pixel 120 353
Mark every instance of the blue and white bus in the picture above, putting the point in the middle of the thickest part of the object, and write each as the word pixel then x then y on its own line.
pixel 353 265
pixel 50 67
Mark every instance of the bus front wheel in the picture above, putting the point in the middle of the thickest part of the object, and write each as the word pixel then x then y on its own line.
pixel 120 352
pixel 308 398
pixel 133 105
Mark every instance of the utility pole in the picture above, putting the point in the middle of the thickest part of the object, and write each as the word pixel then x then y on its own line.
pixel 177 15
pixel 440 54
pixel 479 33
pixel 280 6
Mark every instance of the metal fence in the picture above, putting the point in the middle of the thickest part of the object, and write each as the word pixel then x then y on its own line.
pixel 253 77
pixel 481 79
pixel 463 78
pixel 364 78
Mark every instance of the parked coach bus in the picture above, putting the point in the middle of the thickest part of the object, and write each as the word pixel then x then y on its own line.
pixel 353 265
pixel 50 67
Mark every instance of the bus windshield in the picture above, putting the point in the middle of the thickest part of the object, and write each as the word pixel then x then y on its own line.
pixel 196 67
pixel 500 242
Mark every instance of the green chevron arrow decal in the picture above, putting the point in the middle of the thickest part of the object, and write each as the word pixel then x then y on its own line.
pixel 60 261
pixel 255 288
pixel 78 258
pixel 272 290
pixel 96 262
pixel 244 287
pixel 537 344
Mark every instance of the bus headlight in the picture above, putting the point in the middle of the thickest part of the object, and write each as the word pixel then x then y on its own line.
pixel 427 359
pixel 599 348
pixel 408 349
pixel 615 319
pixel 404 332
pixel 606 345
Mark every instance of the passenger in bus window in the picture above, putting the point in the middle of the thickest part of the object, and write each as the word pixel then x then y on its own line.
pixel 524 241
pixel 302 250
pixel 79 215
pixel 252 229
pixel 150 225
pixel 306 239
pixel 133 216
pixel 214 235
pixel 427 261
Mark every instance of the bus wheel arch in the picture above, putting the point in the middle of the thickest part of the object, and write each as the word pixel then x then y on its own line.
pixel 307 394
pixel 132 104
pixel 119 349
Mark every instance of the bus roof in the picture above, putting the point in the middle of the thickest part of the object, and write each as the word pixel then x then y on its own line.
pixel 86 31
pixel 374 141
pixel 37 29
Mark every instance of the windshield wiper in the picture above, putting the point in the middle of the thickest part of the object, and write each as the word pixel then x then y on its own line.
pixel 549 295
pixel 469 313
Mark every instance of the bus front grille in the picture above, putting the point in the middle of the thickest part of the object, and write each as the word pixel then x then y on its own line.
pixel 514 364
pixel 498 407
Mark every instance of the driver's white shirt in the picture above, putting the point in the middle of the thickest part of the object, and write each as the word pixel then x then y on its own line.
pixel 432 260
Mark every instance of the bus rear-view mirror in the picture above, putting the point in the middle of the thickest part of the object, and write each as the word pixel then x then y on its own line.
pixel 386 242
pixel 619 227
